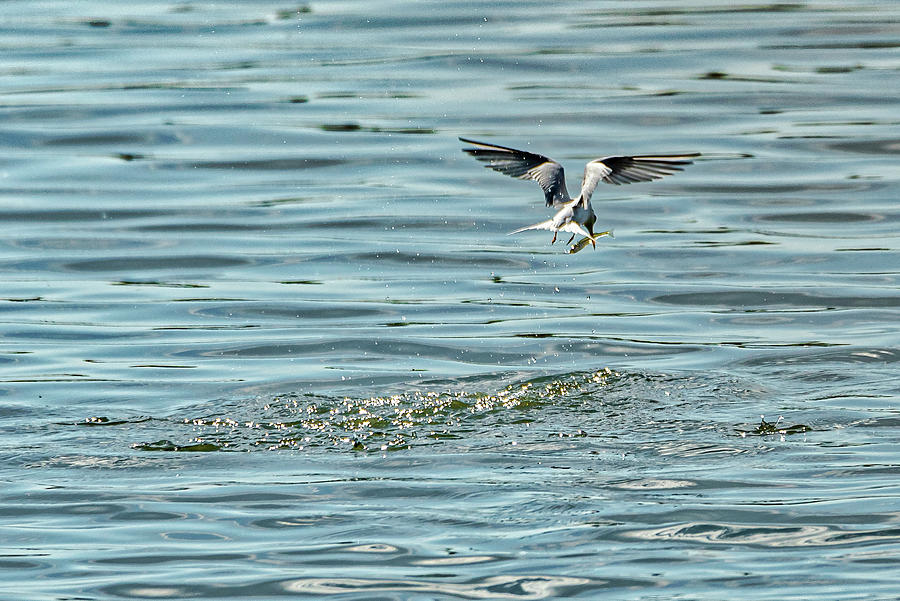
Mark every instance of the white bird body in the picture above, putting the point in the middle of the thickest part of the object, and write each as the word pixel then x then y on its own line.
pixel 575 216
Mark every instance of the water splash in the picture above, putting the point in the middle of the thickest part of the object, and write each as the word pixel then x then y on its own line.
pixel 376 423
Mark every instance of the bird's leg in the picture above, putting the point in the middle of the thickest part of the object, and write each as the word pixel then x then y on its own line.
pixel 554 238
pixel 594 243
pixel 570 239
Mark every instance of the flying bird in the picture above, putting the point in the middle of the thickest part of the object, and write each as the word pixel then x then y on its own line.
pixel 575 216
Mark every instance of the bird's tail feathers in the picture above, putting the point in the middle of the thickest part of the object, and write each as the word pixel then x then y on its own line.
pixel 543 225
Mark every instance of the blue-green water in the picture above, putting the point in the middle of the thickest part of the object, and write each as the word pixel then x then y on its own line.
pixel 263 334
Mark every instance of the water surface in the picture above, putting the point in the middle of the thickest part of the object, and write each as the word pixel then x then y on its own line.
pixel 263 334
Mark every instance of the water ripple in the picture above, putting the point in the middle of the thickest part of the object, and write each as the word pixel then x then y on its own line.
pixel 768 536
pixel 493 587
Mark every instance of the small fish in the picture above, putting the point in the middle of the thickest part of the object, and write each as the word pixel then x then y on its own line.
pixel 578 246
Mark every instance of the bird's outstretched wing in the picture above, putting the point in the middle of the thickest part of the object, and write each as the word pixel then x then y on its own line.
pixel 523 165
pixel 627 170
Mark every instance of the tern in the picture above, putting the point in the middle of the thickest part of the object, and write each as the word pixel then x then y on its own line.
pixel 575 216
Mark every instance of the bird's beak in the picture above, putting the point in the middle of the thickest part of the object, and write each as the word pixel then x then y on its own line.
pixel 590 229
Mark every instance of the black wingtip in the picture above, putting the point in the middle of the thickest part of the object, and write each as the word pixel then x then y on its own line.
pixel 488 146
pixel 479 145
